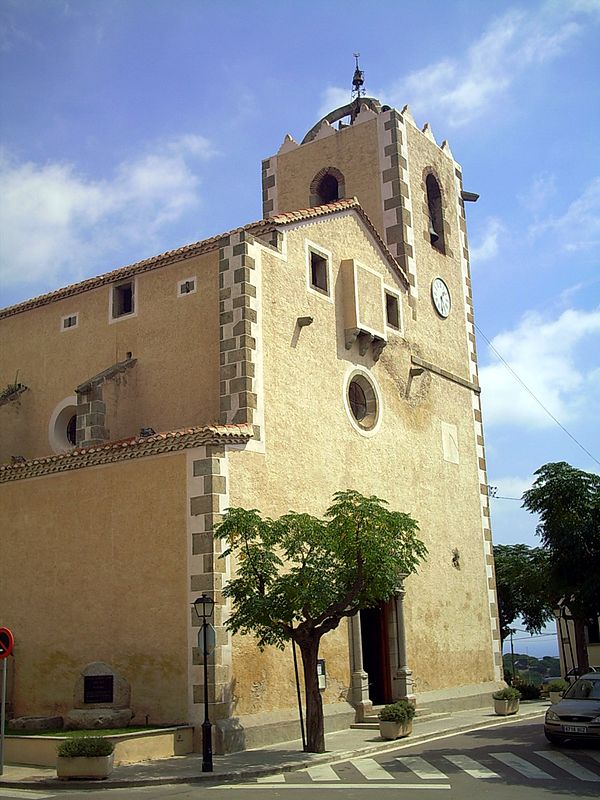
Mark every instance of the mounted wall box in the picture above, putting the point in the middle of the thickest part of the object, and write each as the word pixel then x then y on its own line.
pixel 321 673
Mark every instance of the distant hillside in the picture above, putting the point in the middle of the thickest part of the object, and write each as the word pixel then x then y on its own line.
pixel 532 669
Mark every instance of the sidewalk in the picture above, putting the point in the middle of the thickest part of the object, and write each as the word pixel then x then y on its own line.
pixel 282 757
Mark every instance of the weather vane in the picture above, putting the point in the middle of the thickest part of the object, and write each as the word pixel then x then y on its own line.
pixel 358 80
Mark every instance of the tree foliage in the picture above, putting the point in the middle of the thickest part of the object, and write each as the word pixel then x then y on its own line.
pixel 296 577
pixel 523 588
pixel 568 503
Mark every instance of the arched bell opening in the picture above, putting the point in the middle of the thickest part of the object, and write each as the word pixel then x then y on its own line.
pixel 327 186
pixel 435 223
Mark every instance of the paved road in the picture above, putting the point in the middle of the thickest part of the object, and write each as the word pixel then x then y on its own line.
pixel 496 764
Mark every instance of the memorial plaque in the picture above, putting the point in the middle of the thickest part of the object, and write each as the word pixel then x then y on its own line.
pixel 98 688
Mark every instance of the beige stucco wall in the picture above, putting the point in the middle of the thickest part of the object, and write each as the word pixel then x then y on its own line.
pixel 175 340
pixel 353 151
pixel 313 450
pixel 94 568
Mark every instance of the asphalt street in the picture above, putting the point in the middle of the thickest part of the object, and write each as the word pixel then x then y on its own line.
pixel 504 763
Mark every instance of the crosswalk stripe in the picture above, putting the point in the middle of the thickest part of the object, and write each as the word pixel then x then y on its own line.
pixel 323 772
pixel 22 794
pixel 271 778
pixel 524 767
pixel 471 767
pixel 422 768
pixel 343 786
pixel 372 770
pixel 569 765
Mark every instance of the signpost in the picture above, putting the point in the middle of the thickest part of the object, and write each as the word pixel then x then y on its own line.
pixel 7 642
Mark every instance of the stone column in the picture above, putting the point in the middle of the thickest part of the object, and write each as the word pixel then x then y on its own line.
pixel 359 686
pixel 403 682
pixel 91 417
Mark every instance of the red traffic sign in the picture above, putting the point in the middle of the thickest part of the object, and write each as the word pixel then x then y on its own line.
pixel 7 642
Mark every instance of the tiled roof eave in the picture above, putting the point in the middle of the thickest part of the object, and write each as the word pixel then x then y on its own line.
pixel 113 452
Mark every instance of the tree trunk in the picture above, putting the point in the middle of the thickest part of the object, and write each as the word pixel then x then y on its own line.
pixel 315 730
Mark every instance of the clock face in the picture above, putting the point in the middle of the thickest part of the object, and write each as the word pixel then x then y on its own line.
pixel 441 297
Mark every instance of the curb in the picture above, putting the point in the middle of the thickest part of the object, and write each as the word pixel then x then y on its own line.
pixel 259 771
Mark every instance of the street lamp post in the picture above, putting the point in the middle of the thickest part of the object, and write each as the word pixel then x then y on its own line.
pixel 204 607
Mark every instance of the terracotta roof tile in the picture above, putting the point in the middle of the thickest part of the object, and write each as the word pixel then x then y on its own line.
pixel 258 229
pixel 126 449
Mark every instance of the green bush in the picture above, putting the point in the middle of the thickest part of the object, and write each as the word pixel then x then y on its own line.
pixel 529 691
pixel 510 693
pixel 87 746
pixel 558 685
pixel 402 711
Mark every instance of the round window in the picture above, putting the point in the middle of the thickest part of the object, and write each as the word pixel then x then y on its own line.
pixel 62 427
pixel 362 401
pixel 72 430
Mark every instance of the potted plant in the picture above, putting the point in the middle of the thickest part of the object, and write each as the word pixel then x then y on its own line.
pixel 89 757
pixel 506 701
pixel 395 720
pixel 556 689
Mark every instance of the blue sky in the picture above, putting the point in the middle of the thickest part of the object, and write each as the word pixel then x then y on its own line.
pixel 130 127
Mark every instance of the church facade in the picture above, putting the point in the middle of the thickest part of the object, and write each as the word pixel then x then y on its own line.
pixel 329 345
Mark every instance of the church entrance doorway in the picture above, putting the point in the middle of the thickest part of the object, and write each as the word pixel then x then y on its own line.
pixel 376 650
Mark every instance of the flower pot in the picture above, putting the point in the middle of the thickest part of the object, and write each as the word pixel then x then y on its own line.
pixel 89 768
pixel 555 697
pixel 506 707
pixel 394 730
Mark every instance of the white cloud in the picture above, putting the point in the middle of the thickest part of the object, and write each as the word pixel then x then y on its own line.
pixel 333 97
pixel 59 225
pixel 543 353
pixel 487 246
pixel 462 88
pixel 579 227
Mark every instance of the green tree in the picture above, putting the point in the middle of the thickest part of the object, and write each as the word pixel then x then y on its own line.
pixel 522 586
pixel 568 503
pixel 298 576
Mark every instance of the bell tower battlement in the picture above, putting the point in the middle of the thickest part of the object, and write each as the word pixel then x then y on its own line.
pixel 409 186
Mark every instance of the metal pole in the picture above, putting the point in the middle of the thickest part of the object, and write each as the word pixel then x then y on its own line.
pixel 512 658
pixel 3 715
pixel 207 762
pixel 299 696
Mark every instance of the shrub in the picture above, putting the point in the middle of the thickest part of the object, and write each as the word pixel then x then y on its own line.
pixel 510 693
pixel 401 711
pixel 558 685
pixel 529 691
pixel 87 746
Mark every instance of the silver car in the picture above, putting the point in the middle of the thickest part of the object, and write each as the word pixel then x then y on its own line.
pixel 577 715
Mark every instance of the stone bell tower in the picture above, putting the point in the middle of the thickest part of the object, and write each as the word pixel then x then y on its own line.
pixel 411 189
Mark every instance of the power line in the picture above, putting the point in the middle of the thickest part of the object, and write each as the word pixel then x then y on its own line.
pixel 537 400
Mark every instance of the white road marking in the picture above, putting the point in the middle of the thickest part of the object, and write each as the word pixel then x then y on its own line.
pixel 271 778
pixel 323 772
pixel 471 767
pixel 524 767
pixel 344 786
pixel 422 768
pixel 569 765
pixel 372 770
pixel 22 794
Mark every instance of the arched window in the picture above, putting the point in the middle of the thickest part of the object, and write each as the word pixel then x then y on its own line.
pixel 435 222
pixel 326 187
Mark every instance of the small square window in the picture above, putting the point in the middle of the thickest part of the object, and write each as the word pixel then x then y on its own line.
pixel 187 286
pixel 122 300
pixel 318 272
pixel 69 321
pixel 392 310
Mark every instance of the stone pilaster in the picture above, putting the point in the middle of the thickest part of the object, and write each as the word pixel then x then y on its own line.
pixel 359 686
pixel 208 498
pixel 239 266
pixel 402 687
pixel 396 194
pixel 478 426
pixel 269 186
pixel 91 417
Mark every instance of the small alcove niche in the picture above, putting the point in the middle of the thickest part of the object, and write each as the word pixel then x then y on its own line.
pixel 326 187
pixel 436 220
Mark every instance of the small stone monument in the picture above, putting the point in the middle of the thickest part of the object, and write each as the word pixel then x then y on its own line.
pixel 101 699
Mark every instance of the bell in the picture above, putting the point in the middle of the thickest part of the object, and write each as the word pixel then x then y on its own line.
pixel 432 233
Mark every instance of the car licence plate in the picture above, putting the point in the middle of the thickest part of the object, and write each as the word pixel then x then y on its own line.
pixel 574 729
